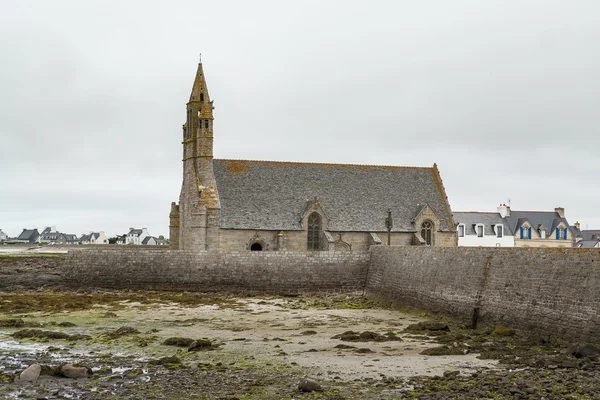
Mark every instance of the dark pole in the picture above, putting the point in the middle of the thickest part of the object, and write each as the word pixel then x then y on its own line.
pixel 388 224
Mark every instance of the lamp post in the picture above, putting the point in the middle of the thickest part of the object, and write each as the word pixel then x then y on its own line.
pixel 388 225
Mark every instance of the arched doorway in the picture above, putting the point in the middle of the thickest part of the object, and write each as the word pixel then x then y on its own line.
pixel 256 246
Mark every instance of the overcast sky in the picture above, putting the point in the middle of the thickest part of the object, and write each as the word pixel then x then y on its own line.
pixel 503 95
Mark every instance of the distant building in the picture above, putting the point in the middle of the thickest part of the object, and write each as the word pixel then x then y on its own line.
pixel 94 238
pixel 29 236
pixel 136 236
pixel 3 236
pixel 483 229
pixel 149 240
pixel 121 239
pixel 52 236
pixel 540 228
pixel 589 239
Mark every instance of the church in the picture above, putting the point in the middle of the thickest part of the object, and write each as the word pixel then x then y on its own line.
pixel 241 205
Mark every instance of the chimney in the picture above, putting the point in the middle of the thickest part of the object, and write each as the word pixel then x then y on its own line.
pixel 560 211
pixel 504 210
pixel 577 225
pixel 53 228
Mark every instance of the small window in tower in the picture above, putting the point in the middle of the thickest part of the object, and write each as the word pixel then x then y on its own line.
pixel 201 96
pixel 206 123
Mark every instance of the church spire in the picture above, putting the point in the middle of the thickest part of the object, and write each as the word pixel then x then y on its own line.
pixel 199 90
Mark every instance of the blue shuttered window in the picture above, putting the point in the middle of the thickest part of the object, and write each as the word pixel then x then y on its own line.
pixel 557 233
pixel 529 233
pixel 522 233
pixel 565 235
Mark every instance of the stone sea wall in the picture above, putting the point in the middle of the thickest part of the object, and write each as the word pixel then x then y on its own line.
pixel 554 292
pixel 213 271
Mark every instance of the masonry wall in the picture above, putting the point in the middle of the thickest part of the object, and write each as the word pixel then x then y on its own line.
pixel 554 292
pixel 213 271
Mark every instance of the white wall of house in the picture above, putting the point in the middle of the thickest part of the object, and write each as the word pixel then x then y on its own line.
pixel 102 239
pixel 137 239
pixel 486 240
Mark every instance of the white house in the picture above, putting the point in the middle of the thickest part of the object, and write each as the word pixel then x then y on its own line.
pixel 483 229
pixel 3 236
pixel 136 236
pixel 94 238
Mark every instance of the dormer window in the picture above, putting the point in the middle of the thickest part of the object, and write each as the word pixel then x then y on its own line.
pixel 461 230
pixel 561 233
pixel 202 97
pixel 543 233
pixel 479 230
pixel 525 232
pixel 499 231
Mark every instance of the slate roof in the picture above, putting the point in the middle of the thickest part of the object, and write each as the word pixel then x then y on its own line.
pixel 273 195
pixel 588 244
pixel 136 232
pixel 549 219
pixel 488 219
pixel 85 238
pixel 147 239
pixel 29 234
pixel 589 234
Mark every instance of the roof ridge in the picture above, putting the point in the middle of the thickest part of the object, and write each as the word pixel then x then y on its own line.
pixel 477 212
pixel 326 164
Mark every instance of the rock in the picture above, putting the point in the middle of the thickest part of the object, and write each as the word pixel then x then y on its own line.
pixel 307 386
pixel 178 341
pixel 122 331
pixel 66 324
pixel 165 361
pixel 308 333
pixel 30 373
pixel 451 374
pixel 201 344
pixel 580 350
pixel 427 327
pixel 76 371
pixel 40 334
pixel 11 323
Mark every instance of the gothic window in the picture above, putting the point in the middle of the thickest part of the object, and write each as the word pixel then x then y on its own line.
pixel 202 97
pixel 206 123
pixel 426 232
pixel 314 232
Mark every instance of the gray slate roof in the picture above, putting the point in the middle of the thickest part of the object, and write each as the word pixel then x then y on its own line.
pixel 488 219
pixel 136 232
pixel 29 234
pixel 548 219
pixel 273 195
pixel 588 244
pixel 589 234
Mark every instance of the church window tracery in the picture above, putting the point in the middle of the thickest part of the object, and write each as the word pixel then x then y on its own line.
pixel 314 232
pixel 426 232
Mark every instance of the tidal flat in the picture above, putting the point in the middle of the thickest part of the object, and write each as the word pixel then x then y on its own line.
pixel 166 345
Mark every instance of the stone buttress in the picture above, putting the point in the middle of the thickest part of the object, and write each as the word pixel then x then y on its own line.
pixel 194 223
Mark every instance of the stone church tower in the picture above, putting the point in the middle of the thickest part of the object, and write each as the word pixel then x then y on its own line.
pixel 194 223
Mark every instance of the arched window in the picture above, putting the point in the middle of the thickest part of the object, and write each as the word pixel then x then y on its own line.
pixel 426 232
pixel 202 97
pixel 314 232
pixel 256 246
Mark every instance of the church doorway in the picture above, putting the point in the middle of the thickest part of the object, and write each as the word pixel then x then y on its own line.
pixel 256 247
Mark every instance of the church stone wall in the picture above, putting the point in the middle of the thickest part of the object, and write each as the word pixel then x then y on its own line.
pixel 550 291
pixel 239 239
